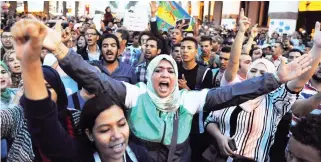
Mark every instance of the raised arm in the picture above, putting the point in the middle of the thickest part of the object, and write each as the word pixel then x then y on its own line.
pixel 297 84
pixel 238 93
pixel 250 89
pixel 153 23
pixel 196 27
pixel 234 61
pixel 40 111
pixel 303 107
pixel 78 69
pixel 254 32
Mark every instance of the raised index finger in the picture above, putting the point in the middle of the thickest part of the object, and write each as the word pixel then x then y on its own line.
pixel 242 13
pixel 317 26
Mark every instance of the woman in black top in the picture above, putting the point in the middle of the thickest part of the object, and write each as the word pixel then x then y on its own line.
pixel 102 122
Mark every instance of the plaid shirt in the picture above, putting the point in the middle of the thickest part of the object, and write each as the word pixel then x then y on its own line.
pixel 131 56
pixel 307 92
pixel 141 70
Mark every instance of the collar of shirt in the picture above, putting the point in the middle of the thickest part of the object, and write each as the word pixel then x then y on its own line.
pixel 97 49
pixel 105 70
pixel 309 85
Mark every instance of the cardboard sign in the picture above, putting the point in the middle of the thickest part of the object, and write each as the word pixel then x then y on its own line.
pixel 135 21
pixel 35 6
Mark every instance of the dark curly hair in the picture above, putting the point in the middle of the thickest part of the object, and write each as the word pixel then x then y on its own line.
pixel 308 131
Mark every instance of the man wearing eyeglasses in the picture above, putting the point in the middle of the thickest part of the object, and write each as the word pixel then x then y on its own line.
pixel 7 41
pixel 92 50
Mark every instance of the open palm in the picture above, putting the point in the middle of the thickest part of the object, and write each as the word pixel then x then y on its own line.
pixel 53 37
pixel 153 7
pixel 287 72
pixel 244 21
pixel 317 35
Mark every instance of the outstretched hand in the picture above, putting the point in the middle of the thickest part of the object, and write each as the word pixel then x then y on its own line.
pixel 29 35
pixel 254 31
pixel 317 35
pixel 53 38
pixel 244 22
pixel 153 8
pixel 294 69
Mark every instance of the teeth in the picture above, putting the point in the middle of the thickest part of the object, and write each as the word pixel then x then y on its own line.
pixel 118 146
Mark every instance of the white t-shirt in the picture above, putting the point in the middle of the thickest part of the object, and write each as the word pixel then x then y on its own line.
pixel 237 79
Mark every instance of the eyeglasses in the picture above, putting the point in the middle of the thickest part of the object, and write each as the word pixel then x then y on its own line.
pixel 90 34
pixel 176 50
pixel 6 37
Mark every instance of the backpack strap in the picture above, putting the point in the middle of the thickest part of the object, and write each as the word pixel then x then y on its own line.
pixel 201 73
pixel 75 99
pixel 215 73
pixel 172 147
pixel 200 76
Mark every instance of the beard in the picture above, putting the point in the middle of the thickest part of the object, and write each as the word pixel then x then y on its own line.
pixel 109 61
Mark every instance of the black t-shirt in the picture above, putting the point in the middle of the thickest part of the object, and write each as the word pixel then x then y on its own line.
pixel 190 76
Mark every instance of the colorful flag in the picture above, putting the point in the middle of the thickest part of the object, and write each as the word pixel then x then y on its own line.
pixel 170 12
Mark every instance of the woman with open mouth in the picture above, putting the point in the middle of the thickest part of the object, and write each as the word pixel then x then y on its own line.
pixel 14 66
pixel 159 114
pixel 7 94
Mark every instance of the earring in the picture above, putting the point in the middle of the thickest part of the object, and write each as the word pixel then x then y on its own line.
pixel 91 138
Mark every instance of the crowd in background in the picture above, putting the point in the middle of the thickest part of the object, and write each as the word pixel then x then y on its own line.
pixel 106 93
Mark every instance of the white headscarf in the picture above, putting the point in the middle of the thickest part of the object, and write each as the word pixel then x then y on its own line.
pixel 171 102
pixel 251 105
pixel 269 65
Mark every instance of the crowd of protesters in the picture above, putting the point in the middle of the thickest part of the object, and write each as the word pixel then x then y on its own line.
pixel 70 92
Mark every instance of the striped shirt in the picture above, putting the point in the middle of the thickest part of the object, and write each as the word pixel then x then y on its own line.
pixel 307 92
pixel 141 71
pixel 254 132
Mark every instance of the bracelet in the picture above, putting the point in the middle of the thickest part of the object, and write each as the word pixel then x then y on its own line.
pixel 59 52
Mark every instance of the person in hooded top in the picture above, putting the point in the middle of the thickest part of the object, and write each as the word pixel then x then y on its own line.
pixel 159 114
pixel 108 17
pixel 14 66
pixel 7 93
pixel 102 123
pixel 7 98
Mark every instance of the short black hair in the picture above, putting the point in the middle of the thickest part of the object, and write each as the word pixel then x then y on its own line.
pixel 207 38
pixel 190 39
pixel 136 33
pixel 226 49
pixel 124 34
pixel 91 110
pixel 144 33
pixel 105 36
pixel 6 29
pixel 308 131
pixel 180 30
pixel 176 45
pixel 281 44
pixel 295 50
pixel 158 41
